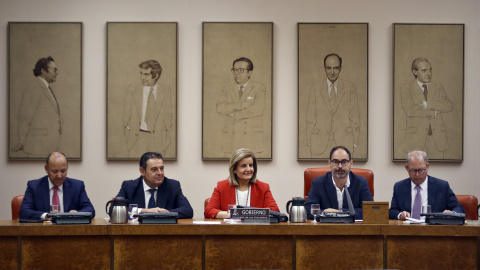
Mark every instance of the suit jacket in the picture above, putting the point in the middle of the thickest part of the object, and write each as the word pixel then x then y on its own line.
pixel 340 122
pixel 169 196
pixel 39 121
pixel 440 197
pixel 224 194
pixel 132 118
pixel 37 198
pixel 243 125
pixel 323 192
pixel 419 119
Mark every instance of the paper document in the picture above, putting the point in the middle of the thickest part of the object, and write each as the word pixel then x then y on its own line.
pixel 207 222
pixel 414 220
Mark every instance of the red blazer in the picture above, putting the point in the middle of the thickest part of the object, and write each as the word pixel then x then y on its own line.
pixel 224 194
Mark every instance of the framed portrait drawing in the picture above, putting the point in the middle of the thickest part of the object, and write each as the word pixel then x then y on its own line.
pixel 45 89
pixel 237 89
pixel 428 90
pixel 332 89
pixel 141 89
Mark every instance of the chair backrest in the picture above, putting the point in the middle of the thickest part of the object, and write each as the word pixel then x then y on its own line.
pixel 470 203
pixel 16 204
pixel 312 173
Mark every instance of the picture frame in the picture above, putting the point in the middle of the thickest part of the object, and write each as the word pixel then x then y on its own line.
pixel 327 120
pixel 141 56
pixel 44 110
pixel 237 89
pixel 428 56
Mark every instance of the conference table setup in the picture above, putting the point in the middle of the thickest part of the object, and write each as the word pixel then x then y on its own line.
pixel 216 244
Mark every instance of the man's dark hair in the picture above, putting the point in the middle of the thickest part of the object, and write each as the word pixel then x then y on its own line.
pixel 340 147
pixel 56 153
pixel 332 54
pixel 155 66
pixel 244 59
pixel 42 63
pixel 149 155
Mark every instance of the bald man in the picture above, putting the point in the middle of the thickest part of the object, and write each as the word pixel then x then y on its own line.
pixel 55 188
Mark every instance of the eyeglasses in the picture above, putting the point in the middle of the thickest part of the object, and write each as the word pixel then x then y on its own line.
pixel 239 70
pixel 419 171
pixel 336 162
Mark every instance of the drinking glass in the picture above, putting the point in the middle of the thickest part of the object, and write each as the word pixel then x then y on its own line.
pixel 54 209
pixel 426 209
pixel 132 210
pixel 315 210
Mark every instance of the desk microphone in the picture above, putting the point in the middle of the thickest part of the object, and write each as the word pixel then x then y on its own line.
pixel 351 209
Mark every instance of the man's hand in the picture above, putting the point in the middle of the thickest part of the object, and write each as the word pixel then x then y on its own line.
pixel 332 210
pixel 18 147
pixel 72 211
pixel 404 215
pixel 448 211
pixel 154 210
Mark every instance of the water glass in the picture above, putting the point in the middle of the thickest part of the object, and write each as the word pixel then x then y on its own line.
pixel 315 210
pixel 54 209
pixel 132 210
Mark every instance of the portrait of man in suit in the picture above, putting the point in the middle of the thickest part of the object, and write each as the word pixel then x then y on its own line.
pixel 147 116
pixel 333 116
pixel 39 126
pixel 424 102
pixel 242 104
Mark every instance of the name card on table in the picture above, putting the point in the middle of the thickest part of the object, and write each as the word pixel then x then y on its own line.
pixel 251 215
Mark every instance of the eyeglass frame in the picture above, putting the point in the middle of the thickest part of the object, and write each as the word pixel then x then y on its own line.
pixel 338 162
pixel 239 70
pixel 415 171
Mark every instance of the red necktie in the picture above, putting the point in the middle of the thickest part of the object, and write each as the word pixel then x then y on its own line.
pixel 55 199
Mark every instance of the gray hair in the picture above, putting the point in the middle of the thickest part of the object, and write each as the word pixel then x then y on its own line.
pixel 417 155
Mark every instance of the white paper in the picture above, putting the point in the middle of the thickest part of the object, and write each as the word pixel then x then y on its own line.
pixel 207 222
pixel 414 220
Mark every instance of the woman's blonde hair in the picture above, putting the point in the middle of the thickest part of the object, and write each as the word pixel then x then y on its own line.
pixel 237 157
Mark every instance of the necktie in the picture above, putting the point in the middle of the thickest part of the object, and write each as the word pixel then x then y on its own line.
pixel 151 202
pixel 240 92
pixel 150 113
pixel 417 204
pixel 425 94
pixel 425 91
pixel 333 96
pixel 55 199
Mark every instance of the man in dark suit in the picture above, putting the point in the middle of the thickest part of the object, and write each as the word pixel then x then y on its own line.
pixel 424 189
pixel 153 192
pixel 243 104
pixel 39 123
pixel 328 190
pixel 55 189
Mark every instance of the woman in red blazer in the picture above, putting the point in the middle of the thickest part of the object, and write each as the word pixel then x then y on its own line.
pixel 241 188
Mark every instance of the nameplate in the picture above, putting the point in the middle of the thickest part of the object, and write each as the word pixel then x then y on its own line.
pixel 251 215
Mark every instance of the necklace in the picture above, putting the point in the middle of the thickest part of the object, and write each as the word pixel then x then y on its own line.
pixel 248 195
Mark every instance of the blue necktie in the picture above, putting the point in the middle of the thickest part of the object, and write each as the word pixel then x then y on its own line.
pixel 151 202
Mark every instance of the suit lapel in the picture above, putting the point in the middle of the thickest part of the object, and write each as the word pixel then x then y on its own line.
pixel 138 99
pixel 331 191
pixel 432 190
pixel 418 93
pixel 162 195
pixel 49 95
pixel 340 94
pixel 67 186
pixel 246 92
pixel 140 193
pixel 45 190
pixel 408 201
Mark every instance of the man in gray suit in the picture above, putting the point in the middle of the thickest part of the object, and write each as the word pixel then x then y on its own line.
pixel 243 104
pixel 39 127
pixel 333 117
pixel 147 118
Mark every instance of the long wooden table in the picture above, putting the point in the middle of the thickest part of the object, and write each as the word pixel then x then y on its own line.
pixel 238 246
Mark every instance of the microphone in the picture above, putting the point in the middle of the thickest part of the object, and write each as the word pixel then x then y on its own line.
pixel 351 209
